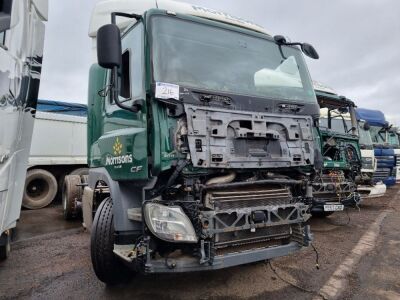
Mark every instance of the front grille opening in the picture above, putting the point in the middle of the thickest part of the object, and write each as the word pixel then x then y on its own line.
pixel 246 124
pixel 229 219
pixel 217 158
pixel 243 237
pixel 297 158
pixel 284 213
pixel 253 246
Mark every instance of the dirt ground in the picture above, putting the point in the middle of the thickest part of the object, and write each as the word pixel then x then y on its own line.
pixel 50 259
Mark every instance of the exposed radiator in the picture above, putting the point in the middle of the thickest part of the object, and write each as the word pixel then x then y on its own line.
pixel 249 197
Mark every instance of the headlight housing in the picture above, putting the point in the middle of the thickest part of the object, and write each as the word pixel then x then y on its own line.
pixel 169 223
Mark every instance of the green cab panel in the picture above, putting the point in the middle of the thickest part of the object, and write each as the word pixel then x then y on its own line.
pixel 342 140
pixel 123 153
pixel 117 139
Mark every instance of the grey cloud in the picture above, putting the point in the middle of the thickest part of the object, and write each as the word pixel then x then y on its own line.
pixel 358 42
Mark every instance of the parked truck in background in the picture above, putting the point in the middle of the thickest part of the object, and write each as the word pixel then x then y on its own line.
pixel 384 153
pixel 200 141
pixel 368 187
pixel 58 149
pixel 393 141
pixel 335 185
pixel 22 29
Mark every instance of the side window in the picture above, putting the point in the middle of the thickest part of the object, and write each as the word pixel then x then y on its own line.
pixel 131 74
pixel 125 76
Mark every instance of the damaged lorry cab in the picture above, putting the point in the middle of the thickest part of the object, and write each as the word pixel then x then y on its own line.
pixel 384 153
pixel 22 28
pixel 335 185
pixel 200 141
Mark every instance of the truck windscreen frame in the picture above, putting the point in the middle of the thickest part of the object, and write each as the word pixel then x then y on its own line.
pixel 217 58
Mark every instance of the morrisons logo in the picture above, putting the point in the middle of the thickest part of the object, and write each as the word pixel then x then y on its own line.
pixel 118 159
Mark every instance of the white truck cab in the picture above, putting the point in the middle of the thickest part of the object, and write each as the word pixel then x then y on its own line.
pixel 369 164
pixel 21 51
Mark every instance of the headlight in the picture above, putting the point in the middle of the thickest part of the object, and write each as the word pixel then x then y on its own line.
pixel 169 223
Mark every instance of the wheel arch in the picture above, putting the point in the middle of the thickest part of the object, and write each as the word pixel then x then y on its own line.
pixel 124 195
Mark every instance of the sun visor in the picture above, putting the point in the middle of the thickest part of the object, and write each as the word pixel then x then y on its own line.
pixel 102 13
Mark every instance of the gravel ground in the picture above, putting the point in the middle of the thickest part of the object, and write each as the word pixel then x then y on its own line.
pixel 55 263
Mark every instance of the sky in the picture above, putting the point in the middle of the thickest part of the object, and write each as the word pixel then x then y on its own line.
pixel 358 42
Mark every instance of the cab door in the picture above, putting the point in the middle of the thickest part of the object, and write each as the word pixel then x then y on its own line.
pixel 123 145
pixel 21 51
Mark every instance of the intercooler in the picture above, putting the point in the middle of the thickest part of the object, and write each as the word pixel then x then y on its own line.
pixel 251 215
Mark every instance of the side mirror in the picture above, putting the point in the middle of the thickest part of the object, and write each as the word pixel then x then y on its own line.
pixel 309 50
pixel 366 126
pixel 109 53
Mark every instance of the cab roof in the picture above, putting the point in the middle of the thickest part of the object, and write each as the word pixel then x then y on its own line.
pixel 373 117
pixel 101 14
pixel 318 86
pixel 329 98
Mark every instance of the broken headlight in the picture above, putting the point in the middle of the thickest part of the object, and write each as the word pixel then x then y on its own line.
pixel 169 223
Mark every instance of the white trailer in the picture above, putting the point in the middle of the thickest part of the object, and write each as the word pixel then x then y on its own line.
pixel 58 149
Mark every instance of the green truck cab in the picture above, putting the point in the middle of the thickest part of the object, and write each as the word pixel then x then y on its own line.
pixel 200 143
pixel 335 185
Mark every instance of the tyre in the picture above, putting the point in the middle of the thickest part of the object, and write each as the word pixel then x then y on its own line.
pixel 80 172
pixel 71 194
pixel 40 189
pixel 5 241
pixel 321 214
pixel 107 267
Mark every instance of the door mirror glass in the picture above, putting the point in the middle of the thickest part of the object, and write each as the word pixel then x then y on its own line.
pixel 109 46
pixel 309 50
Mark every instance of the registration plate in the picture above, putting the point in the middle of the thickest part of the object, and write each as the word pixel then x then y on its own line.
pixel 333 207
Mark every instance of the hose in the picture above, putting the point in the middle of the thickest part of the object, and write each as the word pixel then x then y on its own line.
pixel 222 179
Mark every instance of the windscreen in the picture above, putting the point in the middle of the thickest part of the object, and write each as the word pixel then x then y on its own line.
pixel 339 123
pixel 207 57
pixel 365 135
pixel 378 135
pixel 393 139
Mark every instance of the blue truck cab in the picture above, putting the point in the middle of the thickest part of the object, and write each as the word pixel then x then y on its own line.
pixel 384 151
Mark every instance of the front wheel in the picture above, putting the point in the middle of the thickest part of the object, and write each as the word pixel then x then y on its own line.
pixel 5 241
pixel 105 264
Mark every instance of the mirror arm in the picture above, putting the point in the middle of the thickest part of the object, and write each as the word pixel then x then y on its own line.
pixel 114 91
pixel 294 44
pixel 114 16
